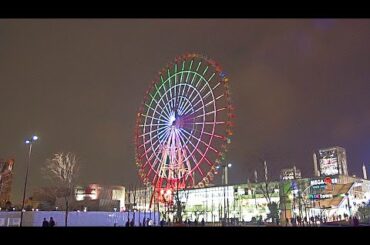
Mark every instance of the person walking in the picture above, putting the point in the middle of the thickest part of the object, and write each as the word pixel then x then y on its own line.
pixel 356 222
pixel 45 223
pixel 51 222
pixel 203 222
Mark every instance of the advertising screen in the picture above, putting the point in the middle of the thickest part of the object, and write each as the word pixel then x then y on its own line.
pixel 329 164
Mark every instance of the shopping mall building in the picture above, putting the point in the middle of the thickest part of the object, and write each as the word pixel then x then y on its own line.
pixel 331 194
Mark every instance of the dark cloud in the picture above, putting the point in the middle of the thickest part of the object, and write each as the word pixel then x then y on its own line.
pixel 297 85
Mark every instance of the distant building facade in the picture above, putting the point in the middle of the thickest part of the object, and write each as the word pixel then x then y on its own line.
pixel 6 177
pixel 290 173
pixel 95 197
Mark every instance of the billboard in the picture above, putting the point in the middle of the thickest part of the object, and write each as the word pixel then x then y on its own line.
pixel 329 163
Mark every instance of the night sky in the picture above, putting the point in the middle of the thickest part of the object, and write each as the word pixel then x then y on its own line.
pixel 297 86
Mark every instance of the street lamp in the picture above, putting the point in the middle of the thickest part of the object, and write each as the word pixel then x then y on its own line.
pixel 28 142
pixel 225 172
pixel 225 182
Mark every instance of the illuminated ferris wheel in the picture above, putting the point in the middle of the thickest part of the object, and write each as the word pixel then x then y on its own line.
pixel 184 125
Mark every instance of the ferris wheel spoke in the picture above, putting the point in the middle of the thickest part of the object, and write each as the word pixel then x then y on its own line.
pixel 156 160
pixel 195 88
pixel 157 102
pixel 201 115
pixel 206 123
pixel 180 82
pixel 191 154
pixel 191 143
pixel 185 103
pixel 210 134
pixel 170 86
pixel 167 101
pixel 182 99
pixel 160 135
pixel 190 85
pixel 141 135
pixel 187 78
pixel 205 70
pixel 165 92
pixel 191 105
pixel 197 163
pixel 210 78
pixel 206 96
pixel 159 114
pixel 158 91
pixel 200 62
pixel 213 149
pixel 155 118
pixel 206 84
pixel 201 154
pixel 177 87
pixel 200 170
pixel 188 71
pixel 154 124
pixel 219 97
pixel 174 76
pixel 148 159
pixel 206 114
pixel 194 106
pixel 154 151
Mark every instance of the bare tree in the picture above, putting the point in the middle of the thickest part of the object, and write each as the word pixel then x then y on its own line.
pixel 63 169
pixel 179 205
pixel 265 187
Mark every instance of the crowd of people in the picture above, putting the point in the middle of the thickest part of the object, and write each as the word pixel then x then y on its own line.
pixel 297 221
pixel 50 223
pixel 145 222
pixel 318 220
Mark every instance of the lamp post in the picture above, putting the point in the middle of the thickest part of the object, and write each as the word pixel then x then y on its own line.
pixel 225 182
pixel 28 142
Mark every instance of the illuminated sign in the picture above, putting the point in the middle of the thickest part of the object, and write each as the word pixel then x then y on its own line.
pixel 325 181
pixel 320 196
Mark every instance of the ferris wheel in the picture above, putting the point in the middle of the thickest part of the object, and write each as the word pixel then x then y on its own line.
pixel 184 124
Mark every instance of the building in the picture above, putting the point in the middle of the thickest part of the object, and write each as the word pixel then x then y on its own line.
pixel 290 173
pixel 332 197
pixel 213 204
pixel 6 177
pixel 95 197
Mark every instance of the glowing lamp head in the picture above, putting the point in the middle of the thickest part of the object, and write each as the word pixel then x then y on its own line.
pixel 27 142
pixel 34 138
pixel 229 165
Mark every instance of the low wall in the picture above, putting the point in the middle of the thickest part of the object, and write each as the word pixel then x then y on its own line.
pixel 35 218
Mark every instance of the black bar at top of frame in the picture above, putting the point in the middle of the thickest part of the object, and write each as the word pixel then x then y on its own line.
pixel 171 10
